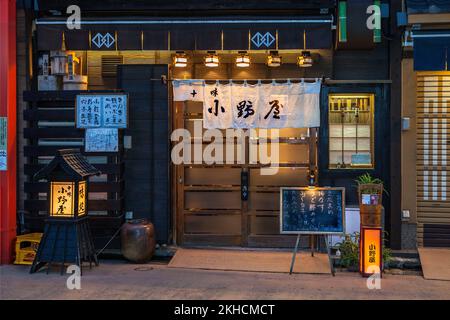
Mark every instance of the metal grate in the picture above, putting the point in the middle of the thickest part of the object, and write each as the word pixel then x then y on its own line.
pixel 109 65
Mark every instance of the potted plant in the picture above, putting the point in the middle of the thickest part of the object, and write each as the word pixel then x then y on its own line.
pixel 370 192
pixel 348 252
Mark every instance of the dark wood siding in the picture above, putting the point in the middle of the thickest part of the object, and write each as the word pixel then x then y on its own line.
pixel 436 235
pixel 49 118
pixel 147 162
pixel 361 64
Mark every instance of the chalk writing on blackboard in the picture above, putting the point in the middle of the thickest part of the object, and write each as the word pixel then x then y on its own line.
pixel 318 210
pixel 101 140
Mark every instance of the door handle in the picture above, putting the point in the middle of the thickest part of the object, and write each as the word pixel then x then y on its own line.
pixel 244 185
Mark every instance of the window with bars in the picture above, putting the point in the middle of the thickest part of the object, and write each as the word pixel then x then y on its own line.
pixel 351 131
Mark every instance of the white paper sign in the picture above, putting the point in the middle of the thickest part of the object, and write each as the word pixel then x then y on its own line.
pixel 89 108
pixel 101 140
pixel 97 111
pixel 115 111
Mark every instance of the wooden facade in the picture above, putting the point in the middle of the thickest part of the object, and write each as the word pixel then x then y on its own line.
pixel 200 204
pixel 433 181
pixel 50 119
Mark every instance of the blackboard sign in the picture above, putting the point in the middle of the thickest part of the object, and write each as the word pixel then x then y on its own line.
pixel 102 111
pixel 312 210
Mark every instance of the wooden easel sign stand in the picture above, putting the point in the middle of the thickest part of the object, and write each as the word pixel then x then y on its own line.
pixel 314 211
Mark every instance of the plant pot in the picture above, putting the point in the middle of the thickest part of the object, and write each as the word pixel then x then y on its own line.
pixel 370 216
pixel 370 204
pixel 138 240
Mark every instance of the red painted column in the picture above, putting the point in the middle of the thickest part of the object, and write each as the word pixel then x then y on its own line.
pixel 8 98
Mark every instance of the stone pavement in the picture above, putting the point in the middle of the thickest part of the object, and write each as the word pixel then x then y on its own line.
pixel 122 280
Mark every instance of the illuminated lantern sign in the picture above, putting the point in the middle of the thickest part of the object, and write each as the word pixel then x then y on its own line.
pixel 370 251
pixel 63 194
pixel 82 188
pixel 67 238
pixel 62 199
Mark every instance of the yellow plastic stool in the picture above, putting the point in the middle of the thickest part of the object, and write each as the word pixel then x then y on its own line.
pixel 26 248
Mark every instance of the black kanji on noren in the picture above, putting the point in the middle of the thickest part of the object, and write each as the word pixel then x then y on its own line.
pixel 275 107
pixel 216 108
pixel 245 106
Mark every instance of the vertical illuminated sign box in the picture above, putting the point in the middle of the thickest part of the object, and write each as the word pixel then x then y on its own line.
pixel 67 238
pixel 370 251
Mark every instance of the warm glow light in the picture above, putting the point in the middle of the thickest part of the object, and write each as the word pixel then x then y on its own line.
pixel 62 199
pixel 273 59
pixel 305 60
pixel 82 198
pixel 212 60
pixel 370 250
pixel 243 60
pixel 180 60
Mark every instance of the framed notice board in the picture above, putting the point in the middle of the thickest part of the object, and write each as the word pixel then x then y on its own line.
pixel 312 210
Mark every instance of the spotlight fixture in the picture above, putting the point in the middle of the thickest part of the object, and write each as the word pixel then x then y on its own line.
pixel 180 59
pixel 305 60
pixel 243 60
pixel 212 59
pixel 273 59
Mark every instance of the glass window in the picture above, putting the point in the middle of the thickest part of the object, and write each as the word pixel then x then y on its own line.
pixel 351 131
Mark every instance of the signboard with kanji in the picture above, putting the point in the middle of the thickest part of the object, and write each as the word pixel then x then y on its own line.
pixel 3 143
pixel 101 140
pixel 102 111
pixel 371 254
pixel 312 210
pixel 62 199
pixel 89 111
pixel 82 188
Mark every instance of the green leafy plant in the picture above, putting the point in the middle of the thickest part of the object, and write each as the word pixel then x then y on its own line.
pixel 387 252
pixel 349 250
pixel 367 179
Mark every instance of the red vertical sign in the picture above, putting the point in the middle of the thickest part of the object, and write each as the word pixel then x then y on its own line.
pixel 8 109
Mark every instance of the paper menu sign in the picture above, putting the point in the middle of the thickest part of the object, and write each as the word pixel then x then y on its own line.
pixel 100 111
pixel 3 143
pixel 101 140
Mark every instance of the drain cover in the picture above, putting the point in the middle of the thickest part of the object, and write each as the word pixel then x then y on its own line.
pixel 143 269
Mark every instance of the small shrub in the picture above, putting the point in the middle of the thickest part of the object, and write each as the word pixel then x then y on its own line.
pixel 349 249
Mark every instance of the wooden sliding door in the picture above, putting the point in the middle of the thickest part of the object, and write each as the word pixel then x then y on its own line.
pixel 210 209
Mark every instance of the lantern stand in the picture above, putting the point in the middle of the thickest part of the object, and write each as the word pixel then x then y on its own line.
pixel 67 237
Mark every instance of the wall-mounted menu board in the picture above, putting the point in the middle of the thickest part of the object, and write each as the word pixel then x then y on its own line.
pixel 312 210
pixel 101 140
pixel 102 111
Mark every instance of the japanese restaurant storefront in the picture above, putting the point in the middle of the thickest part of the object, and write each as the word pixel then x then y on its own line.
pixel 142 54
